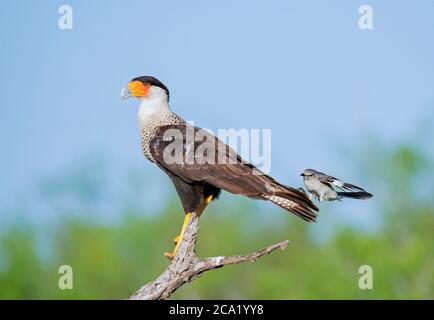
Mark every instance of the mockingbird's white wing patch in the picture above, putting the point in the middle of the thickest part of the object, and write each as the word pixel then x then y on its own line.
pixel 338 183
pixel 326 179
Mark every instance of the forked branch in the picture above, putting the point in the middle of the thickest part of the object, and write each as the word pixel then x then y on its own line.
pixel 186 267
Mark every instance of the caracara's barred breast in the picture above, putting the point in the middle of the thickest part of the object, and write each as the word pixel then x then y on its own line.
pixel 149 127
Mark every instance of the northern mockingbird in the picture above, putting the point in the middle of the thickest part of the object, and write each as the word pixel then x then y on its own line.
pixel 322 187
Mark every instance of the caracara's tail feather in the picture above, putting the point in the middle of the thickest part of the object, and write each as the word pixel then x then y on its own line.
pixel 295 202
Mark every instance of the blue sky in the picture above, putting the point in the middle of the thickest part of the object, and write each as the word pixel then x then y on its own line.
pixel 302 68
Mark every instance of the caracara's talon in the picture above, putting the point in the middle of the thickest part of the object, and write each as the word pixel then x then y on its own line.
pixel 179 238
pixel 169 255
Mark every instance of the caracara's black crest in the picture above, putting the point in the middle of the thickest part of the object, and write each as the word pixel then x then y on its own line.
pixel 153 82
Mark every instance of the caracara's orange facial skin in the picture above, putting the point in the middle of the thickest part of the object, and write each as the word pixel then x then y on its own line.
pixel 138 88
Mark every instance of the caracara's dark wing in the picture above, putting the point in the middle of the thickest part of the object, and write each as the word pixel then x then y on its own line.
pixel 194 155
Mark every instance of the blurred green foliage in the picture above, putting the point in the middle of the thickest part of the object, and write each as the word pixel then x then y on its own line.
pixel 111 260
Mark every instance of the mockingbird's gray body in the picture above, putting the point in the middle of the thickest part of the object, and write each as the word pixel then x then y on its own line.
pixel 322 187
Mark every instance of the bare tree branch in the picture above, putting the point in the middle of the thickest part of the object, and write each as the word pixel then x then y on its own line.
pixel 186 267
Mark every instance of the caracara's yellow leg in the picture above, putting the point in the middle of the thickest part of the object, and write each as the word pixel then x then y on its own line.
pixel 187 218
pixel 179 238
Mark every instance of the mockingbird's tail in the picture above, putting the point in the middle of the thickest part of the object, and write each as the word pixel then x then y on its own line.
pixel 355 195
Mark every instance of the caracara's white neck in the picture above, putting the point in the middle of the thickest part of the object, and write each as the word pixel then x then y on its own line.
pixel 154 104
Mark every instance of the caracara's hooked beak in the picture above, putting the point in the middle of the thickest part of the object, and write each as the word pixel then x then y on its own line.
pixel 125 93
